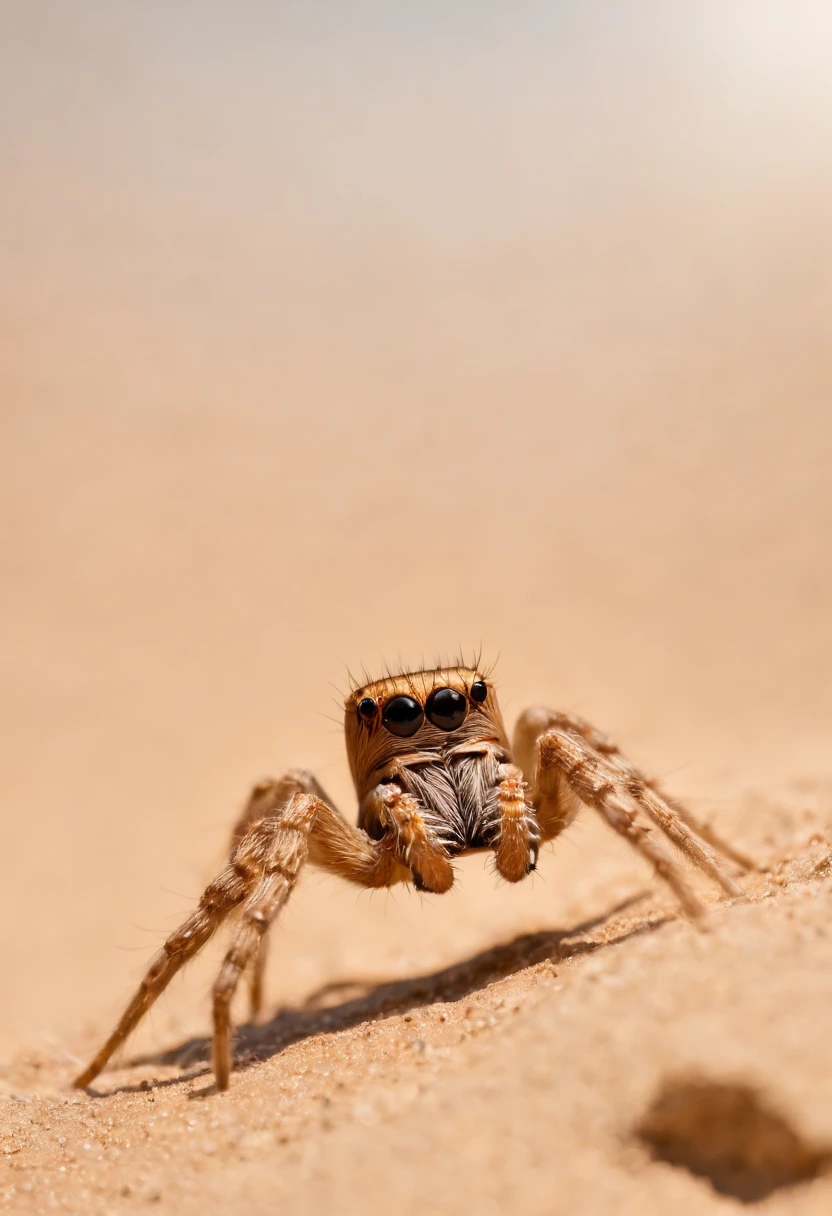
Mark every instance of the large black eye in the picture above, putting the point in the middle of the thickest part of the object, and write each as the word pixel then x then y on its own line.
pixel 479 691
pixel 403 716
pixel 367 708
pixel 446 708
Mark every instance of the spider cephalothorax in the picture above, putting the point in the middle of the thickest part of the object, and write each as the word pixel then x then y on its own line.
pixel 438 737
pixel 434 776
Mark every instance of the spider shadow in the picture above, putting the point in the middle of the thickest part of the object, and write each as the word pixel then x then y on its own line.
pixel 365 1001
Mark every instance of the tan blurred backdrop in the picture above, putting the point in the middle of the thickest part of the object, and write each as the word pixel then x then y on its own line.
pixel 338 333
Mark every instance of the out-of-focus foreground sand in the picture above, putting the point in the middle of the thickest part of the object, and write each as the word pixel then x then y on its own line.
pixel 331 339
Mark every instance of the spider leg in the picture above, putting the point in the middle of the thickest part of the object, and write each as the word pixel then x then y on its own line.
pixel 519 836
pixel 577 763
pixel 266 799
pixel 705 831
pixel 257 978
pixel 414 840
pixel 656 802
pixel 598 785
pixel 279 848
pixel 260 876
pixel 220 897
pixel 409 843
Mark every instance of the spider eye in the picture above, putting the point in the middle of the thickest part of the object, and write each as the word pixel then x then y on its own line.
pixel 403 716
pixel 479 691
pixel 446 708
pixel 367 708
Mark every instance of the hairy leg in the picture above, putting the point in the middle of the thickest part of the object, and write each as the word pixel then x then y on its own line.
pixel 656 801
pixel 220 897
pixel 260 876
pixel 268 798
pixel 576 763
pixel 283 849
pixel 518 841
pixel 411 837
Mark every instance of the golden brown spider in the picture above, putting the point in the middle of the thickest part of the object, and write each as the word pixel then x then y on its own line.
pixel 435 778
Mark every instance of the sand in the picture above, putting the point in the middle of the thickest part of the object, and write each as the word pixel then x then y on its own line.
pixel 330 341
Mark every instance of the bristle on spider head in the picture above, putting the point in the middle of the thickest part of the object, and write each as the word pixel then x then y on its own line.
pixel 472 661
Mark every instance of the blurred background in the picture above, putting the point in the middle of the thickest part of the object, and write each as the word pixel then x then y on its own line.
pixel 335 334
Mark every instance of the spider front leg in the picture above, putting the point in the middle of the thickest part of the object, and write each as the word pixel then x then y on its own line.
pixel 260 876
pixel 575 764
pixel 400 816
pixel 275 850
pixel 266 799
pixel 276 839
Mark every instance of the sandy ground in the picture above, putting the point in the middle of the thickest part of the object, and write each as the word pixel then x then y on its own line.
pixel 329 341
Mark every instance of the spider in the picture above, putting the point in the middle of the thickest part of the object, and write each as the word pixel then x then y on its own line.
pixel 435 778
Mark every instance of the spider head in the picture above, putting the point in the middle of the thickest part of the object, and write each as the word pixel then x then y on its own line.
pixel 419 717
